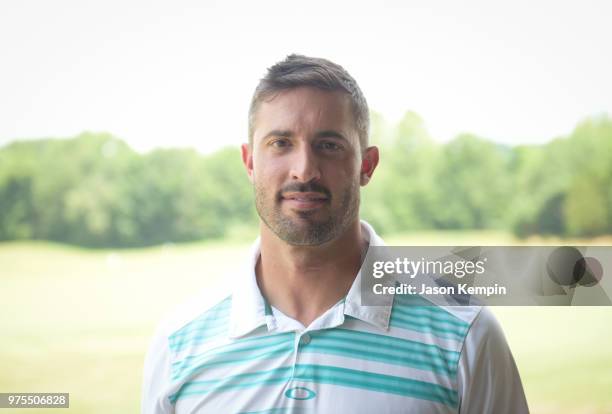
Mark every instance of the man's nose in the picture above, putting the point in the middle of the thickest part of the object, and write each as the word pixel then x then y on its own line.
pixel 305 165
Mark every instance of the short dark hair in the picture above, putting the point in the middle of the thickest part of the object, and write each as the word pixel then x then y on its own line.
pixel 298 70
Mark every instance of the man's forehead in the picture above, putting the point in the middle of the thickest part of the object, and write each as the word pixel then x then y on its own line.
pixel 305 107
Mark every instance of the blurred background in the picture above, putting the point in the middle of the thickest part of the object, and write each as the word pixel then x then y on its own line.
pixel 122 191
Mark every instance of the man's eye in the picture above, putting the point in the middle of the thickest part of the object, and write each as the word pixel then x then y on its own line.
pixel 280 143
pixel 329 146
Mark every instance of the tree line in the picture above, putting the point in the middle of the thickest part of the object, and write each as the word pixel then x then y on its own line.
pixel 563 187
pixel 93 190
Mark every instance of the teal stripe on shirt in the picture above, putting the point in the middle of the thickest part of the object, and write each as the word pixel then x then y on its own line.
pixel 236 353
pixel 220 310
pixel 324 374
pixel 377 382
pixel 419 306
pixel 385 349
pixel 280 410
pixel 428 320
pixel 251 379
pixel 212 323
pixel 343 342
pixel 426 314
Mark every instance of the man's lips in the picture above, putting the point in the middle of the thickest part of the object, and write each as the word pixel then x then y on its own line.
pixel 300 196
pixel 304 200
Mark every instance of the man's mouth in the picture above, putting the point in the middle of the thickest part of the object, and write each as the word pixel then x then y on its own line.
pixel 305 200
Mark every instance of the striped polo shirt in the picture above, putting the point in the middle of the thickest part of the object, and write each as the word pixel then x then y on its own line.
pixel 241 355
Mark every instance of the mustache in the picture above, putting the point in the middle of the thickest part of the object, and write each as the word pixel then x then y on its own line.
pixel 304 188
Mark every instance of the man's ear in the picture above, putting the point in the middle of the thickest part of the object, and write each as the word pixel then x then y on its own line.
pixel 247 160
pixel 369 161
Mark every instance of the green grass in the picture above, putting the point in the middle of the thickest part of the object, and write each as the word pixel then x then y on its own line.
pixel 79 321
pixel 564 355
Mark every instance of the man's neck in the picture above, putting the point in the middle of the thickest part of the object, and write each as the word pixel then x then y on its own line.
pixel 305 281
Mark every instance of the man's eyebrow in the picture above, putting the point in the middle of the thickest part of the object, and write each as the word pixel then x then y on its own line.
pixel 330 134
pixel 278 133
pixel 285 133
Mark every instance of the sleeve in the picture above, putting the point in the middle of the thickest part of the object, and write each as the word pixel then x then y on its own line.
pixel 489 381
pixel 156 377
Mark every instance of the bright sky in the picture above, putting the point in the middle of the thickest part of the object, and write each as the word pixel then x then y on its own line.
pixel 181 73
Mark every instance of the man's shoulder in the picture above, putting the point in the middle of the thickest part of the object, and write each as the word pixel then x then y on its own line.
pixel 447 327
pixel 176 332
pixel 466 314
pixel 206 307
pixel 432 312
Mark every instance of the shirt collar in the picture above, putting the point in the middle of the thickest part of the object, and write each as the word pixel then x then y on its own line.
pixel 250 309
pixel 375 315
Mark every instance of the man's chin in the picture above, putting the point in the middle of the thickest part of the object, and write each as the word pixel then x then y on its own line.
pixel 305 232
pixel 306 215
pixel 306 240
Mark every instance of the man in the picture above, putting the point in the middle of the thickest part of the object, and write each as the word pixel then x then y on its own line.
pixel 293 336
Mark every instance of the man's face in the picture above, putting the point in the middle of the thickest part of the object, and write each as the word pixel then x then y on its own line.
pixel 306 166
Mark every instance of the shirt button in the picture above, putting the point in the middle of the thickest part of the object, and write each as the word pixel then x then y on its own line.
pixel 305 339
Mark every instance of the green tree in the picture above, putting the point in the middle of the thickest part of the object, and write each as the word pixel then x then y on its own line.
pixel 472 184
